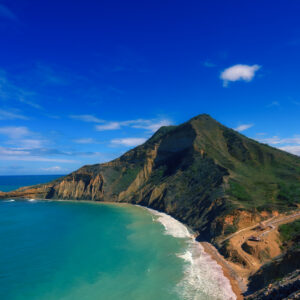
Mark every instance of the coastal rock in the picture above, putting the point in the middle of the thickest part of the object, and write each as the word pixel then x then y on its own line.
pixel 285 288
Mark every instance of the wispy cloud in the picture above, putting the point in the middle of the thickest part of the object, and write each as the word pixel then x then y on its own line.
pixel 53 169
pixel 22 137
pixel 28 143
pixel 151 125
pixel 292 149
pixel 8 115
pixel 129 142
pixel 15 132
pixel 16 154
pixel 276 140
pixel 243 127
pixel 86 118
pixel 274 104
pixel 6 13
pixel 239 72
pixel 109 126
pixel 10 91
pixel 209 64
pixel 48 75
pixel 290 144
pixel 85 141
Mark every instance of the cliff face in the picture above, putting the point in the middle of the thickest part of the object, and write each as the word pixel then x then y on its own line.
pixel 199 172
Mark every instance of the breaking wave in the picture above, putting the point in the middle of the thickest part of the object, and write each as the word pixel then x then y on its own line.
pixel 203 277
pixel 32 200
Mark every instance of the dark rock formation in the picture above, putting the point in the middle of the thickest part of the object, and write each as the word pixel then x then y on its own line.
pixel 286 288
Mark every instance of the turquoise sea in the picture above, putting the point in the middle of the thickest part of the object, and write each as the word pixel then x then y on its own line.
pixel 54 250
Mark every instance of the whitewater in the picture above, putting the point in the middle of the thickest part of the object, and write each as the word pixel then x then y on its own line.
pixel 204 277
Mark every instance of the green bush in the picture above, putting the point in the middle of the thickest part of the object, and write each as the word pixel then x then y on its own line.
pixel 289 231
pixel 238 191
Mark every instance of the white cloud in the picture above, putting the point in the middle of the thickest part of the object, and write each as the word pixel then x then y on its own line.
pixel 292 149
pixel 151 125
pixel 7 115
pixel 5 12
pixel 243 127
pixel 109 126
pixel 239 72
pixel 28 143
pixel 19 154
pixel 130 142
pixel 84 141
pixel 276 140
pixel 15 132
pixel 87 118
pixel 52 169
pixel 22 137
pixel 22 99
pixel 290 144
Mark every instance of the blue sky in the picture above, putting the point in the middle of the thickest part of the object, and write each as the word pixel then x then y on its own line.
pixel 82 82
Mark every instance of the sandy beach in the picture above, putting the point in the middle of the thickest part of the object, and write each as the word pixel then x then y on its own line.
pixel 228 272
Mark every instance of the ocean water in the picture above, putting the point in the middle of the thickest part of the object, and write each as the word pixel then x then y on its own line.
pixel 10 183
pixel 74 250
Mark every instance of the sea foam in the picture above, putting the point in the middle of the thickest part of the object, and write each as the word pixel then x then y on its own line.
pixel 203 277
pixel 31 200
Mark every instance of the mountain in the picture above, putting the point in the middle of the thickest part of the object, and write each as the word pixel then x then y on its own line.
pixel 204 174
pixel 198 172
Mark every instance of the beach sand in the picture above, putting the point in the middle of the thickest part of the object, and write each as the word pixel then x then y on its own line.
pixel 236 284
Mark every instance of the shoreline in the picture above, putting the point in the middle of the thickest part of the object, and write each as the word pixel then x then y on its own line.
pixel 236 285
pixel 207 247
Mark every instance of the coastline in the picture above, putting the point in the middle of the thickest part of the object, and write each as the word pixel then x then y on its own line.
pixel 236 286
pixel 208 248
pixel 234 283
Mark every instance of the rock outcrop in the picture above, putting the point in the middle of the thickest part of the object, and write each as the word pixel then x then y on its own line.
pixel 285 288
